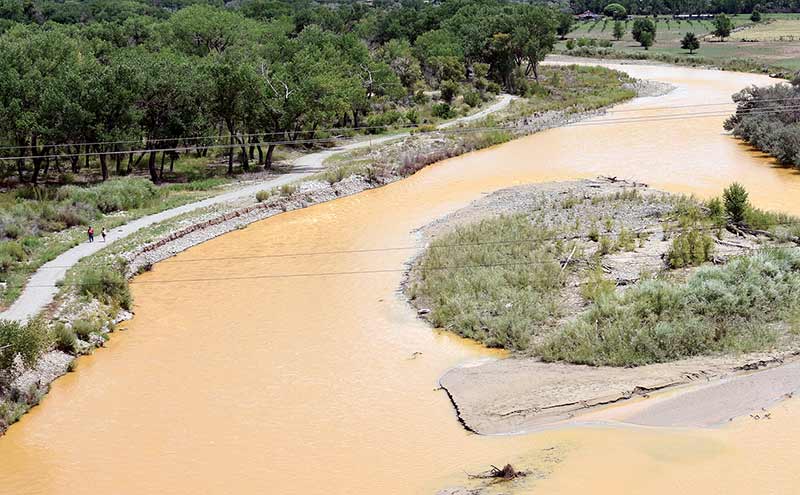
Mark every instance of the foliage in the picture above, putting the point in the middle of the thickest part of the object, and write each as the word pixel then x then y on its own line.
pixel 762 121
pixel 725 308
pixel 755 16
pixel 106 284
pixel 64 338
pixel 641 26
pixel 496 294
pixel 736 202
pixel 690 42
pixel 28 340
pixel 619 30
pixel 723 25
pixel 690 248
pixel 615 11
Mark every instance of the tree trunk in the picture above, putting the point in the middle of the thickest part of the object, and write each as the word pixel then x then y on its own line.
pixel 260 155
pixel 103 166
pixel 268 162
pixel 172 161
pixel 230 155
pixel 130 164
pixel 151 166
pixel 118 162
pixel 163 154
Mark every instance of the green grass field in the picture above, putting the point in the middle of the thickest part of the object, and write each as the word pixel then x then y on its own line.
pixel 778 35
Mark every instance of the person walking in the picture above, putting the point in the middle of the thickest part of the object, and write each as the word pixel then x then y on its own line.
pixel 91 233
pixel 103 233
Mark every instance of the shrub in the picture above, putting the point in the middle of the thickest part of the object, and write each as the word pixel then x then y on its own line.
pixel 690 248
pixel 500 294
pixel 28 340
pixel 736 203
pixel 83 329
pixel 717 309
pixel 570 44
pixel 288 189
pixel 472 98
pixel 262 196
pixel 113 195
pixel 449 90
pixel 442 111
pixel 64 338
pixel 105 284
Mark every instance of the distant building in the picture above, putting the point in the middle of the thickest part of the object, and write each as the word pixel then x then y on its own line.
pixel 692 16
pixel 588 16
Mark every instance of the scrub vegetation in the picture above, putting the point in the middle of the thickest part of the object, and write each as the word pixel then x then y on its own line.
pixel 766 119
pixel 513 281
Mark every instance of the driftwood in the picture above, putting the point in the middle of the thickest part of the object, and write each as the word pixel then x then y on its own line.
pixel 507 473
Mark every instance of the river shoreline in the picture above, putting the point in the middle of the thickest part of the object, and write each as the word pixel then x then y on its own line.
pixel 175 236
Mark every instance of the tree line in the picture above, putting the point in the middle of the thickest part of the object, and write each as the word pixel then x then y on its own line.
pixel 768 118
pixel 669 7
pixel 94 82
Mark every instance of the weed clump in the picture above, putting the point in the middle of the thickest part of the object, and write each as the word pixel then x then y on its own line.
pixel 105 284
pixel 496 294
pixel 690 248
pixel 26 340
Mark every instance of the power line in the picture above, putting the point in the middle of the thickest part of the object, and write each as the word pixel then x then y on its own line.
pixel 445 246
pixel 624 120
pixel 354 128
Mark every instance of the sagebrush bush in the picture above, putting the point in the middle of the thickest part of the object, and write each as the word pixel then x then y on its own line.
pixel 262 196
pixel 497 294
pixel 83 328
pixel 27 340
pixel 725 308
pixel 105 284
pixel 64 338
pixel 690 248
pixel 113 195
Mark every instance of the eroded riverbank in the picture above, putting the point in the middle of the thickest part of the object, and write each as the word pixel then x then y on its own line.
pixel 282 378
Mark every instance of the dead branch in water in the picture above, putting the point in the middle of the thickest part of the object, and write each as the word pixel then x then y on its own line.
pixel 507 473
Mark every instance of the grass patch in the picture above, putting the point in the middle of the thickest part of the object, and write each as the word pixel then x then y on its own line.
pixel 497 294
pixel 717 309
pixel 27 340
pixel 107 284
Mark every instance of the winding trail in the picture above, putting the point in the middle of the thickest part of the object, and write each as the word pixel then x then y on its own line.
pixel 41 288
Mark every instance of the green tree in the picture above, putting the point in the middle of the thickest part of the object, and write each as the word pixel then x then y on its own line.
pixel 723 25
pixel 646 39
pixel 565 23
pixel 616 11
pixel 755 16
pixel 619 30
pixel 644 25
pixel 690 42
pixel 736 202
pixel 532 37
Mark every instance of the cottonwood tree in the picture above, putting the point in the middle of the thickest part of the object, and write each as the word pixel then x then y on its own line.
pixel 641 26
pixel 690 42
pixel 723 25
pixel 619 30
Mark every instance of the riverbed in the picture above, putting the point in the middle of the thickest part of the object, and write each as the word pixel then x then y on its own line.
pixel 282 358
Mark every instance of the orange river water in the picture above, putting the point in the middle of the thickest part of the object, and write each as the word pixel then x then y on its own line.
pixel 305 383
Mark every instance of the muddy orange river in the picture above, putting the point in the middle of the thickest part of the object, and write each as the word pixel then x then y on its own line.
pixel 296 376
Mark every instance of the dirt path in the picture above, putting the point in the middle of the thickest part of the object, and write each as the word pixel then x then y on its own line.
pixel 41 288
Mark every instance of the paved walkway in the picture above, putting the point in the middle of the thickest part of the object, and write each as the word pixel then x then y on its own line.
pixel 41 288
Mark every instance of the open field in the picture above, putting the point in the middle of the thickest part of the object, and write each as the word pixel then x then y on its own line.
pixel 778 39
